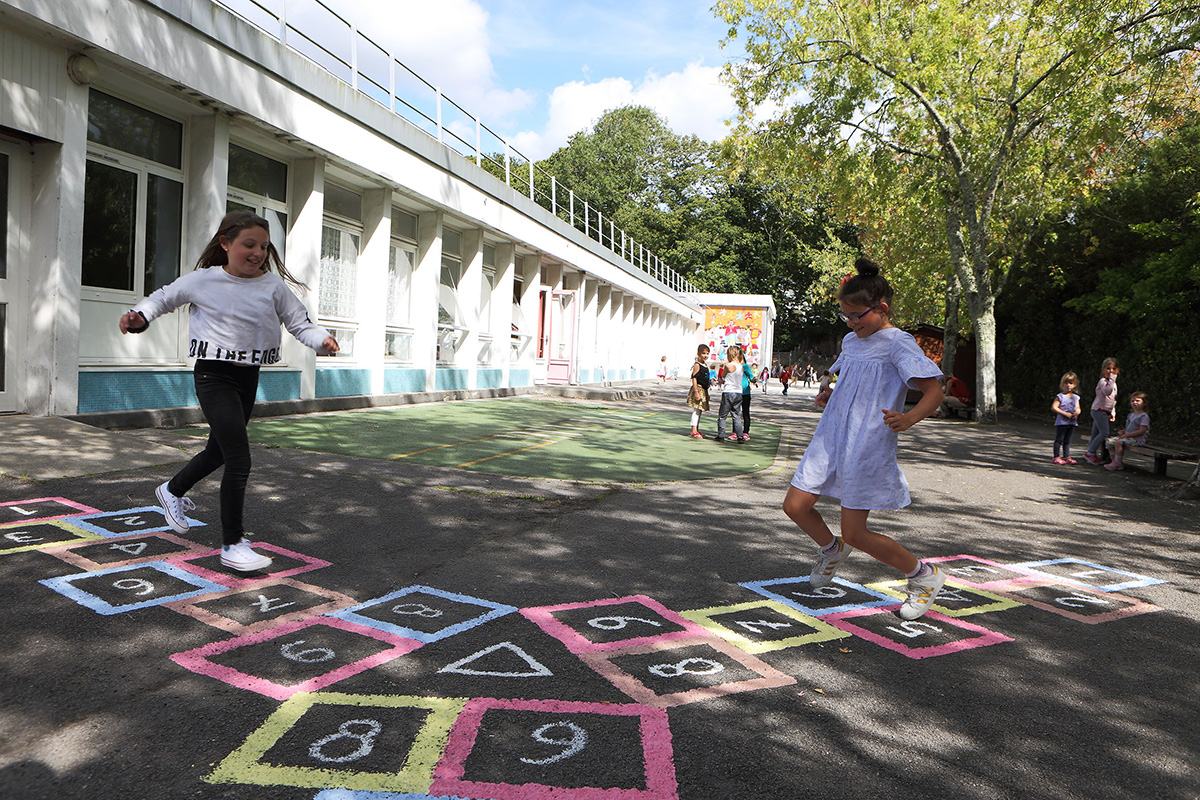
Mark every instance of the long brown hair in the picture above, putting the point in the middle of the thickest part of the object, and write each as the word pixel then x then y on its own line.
pixel 232 224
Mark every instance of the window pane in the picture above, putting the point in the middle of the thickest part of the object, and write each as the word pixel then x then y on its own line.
pixel 131 129
pixel 448 291
pixel 279 225
pixel 398 345
pixel 3 343
pixel 258 174
pixel 3 216
pixel 109 198
pixel 404 225
pixel 451 242
pixel 400 268
pixel 343 202
pixel 485 301
pixel 339 273
pixel 164 231
pixel 234 205
pixel 489 255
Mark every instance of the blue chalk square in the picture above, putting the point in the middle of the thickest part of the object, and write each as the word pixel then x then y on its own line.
pixel 147 519
pixel 1091 576
pixel 423 613
pixel 148 584
pixel 841 595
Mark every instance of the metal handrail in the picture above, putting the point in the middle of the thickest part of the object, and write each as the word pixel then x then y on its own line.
pixel 349 69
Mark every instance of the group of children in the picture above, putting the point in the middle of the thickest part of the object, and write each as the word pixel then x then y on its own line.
pixel 737 377
pixel 1067 408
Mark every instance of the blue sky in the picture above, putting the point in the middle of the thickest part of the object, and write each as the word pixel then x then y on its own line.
pixel 537 71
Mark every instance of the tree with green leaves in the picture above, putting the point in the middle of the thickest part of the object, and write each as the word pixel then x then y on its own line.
pixel 1002 107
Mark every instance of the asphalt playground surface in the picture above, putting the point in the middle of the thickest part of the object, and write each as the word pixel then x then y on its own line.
pixel 433 627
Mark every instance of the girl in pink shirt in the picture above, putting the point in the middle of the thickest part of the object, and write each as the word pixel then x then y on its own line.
pixel 1104 411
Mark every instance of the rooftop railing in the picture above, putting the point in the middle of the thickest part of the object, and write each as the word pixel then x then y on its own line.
pixel 317 32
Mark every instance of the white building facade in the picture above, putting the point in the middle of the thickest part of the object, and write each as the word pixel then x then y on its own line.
pixel 128 128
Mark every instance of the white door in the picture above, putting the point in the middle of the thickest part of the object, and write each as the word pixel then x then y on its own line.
pixel 14 202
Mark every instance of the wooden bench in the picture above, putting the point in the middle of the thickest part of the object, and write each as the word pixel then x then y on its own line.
pixel 1162 455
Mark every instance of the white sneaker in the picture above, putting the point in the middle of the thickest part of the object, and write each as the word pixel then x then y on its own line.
pixel 921 593
pixel 242 558
pixel 174 508
pixel 822 571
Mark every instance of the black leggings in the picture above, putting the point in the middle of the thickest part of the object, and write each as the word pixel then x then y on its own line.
pixel 226 394
pixel 745 412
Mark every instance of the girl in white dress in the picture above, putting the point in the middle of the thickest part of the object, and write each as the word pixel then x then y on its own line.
pixel 852 456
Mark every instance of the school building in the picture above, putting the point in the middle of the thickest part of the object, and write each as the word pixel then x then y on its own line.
pixel 440 258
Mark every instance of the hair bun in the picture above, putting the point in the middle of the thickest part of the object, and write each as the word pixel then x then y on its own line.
pixel 866 266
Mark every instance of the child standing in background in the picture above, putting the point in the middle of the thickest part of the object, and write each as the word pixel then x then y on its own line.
pixel 747 379
pixel 1066 406
pixel 731 394
pixel 1137 425
pixel 1104 411
pixel 697 398
pixel 236 308
pixel 852 456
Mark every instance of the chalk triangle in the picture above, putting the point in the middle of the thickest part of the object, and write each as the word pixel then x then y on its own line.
pixel 534 668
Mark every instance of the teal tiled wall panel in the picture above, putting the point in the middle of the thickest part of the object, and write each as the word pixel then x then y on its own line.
pixel 448 379
pixel 134 391
pixel 520 377
pixel 490 378
pixel 400 381
pixel 343 382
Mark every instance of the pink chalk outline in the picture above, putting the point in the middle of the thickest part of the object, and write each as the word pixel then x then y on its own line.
pixel 999 583
pixel 81 536
pixel 602 663
pixel 78 508
pixel 66 552
pixel 1132 608
pixel 192 607
pixel 232 581
pixel 543 617
pixel 197 661
pixel 983 639
pixel 657 754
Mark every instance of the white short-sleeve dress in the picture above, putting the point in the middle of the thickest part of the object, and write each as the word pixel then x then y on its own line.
pixel 852 456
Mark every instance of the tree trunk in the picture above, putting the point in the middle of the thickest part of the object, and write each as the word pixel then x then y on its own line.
pixel 950 332
pixel 983 313
pixel 1190 490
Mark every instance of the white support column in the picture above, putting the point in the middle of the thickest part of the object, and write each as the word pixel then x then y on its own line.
pixel 425 281
pixel 304 260
pixel 604 330
pixel 470 289
pixel 589 334
pixel 502 302
pixel 207 169
pixel 531 285
pixel 372 284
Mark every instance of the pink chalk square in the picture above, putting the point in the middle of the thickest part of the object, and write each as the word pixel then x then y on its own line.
pixel 125 550
pixel 286 564
pixel 263 605
pixel 979 572
pixel 40 508
pixel 612 623
pixel 679 671
pixel 932 635
pixel 955 599
pixel 1073 601
pixel 19 537
pixel 557 750
pixel 297 656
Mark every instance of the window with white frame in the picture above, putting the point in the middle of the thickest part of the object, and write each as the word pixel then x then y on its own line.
pixel 132 197
pixel 486 351
pixel 451 330
pixel 398 331
pixel 259 184
pixel 341 243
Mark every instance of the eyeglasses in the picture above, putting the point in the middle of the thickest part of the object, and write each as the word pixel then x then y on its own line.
pixel 847 318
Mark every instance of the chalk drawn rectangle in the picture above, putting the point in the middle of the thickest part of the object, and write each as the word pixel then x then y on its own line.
pixel 235 581
pixel 244 765
pixel 53 508
pixel 198 660
pixel 488 611
pixel 144 519
pixel 195 607
pixel 839 596
pixel 544 617
pixel 809 629
pixel 656 754
pixel 65 585
pixel 955 600
pixel 1093 570
pixel 1075 601
pixel 77 553
pixel 42 534
pixel 969 635
pixel 980 573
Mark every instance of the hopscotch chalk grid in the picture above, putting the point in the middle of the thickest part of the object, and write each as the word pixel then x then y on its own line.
pixel 979 573
pixel 763 625
pixel 264 605
pixel 518 749
pixel 1092 575
pixel 152 583
pixel 1074 601
pixel 42 508
pixel 278 569
pixel 953 600
pixel 839 596
pixel 19 537
pixel 124 550
pixel 296 657
pixel 611 624
pixel 678 671
pixel 933 634
pixel 109 524
pixel 330 740
pixel 423 613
